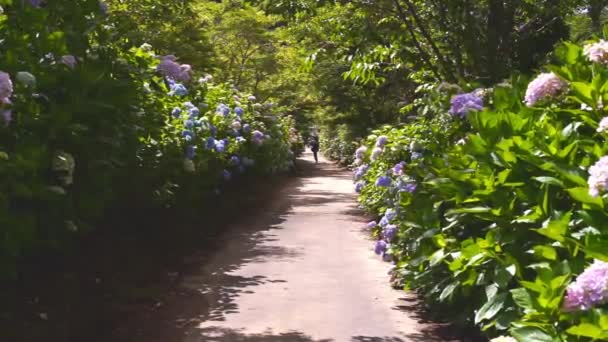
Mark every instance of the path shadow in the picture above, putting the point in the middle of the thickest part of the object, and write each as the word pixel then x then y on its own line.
pixel 213 334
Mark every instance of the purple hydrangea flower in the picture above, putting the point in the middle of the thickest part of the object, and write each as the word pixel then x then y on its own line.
pixel 598 177
pixel 360 152
pixel 384 221
pixel 361 171
pixel 546 85
pixel 376 152
pixel 239 111
pixel 188 135
pixel 398 169
pixel 371 224
pixel 257 137
pixel 220 145
pixel 176 112
pixel 246 128
pixel 390 214
pixel 234 160
pixel 383 181
pixel 251 98
pixel 359 187
pixel 389 232
pixel 169 68
pixel 597 52
pixel 189 124
pixel 589 290
pixel 194 112
pixel 381 141
pixel 381 247
pixel 464 103
pixel 210 143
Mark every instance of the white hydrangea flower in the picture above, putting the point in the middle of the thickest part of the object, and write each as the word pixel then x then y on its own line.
pixel 603 126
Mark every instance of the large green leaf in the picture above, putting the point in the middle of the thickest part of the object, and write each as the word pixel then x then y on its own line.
pixel 491 308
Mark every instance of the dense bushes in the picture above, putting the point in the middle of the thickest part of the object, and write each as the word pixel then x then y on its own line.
pixel 88 125
pixel 494 213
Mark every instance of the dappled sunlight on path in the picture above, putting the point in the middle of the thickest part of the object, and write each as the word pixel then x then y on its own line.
pixel 300 270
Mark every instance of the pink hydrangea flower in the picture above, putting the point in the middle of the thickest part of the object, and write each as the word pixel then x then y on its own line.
pixel 603 126
pixel 598 177
pixel 589 289
pixel 597 52
pixel 6 86
pixel 546 85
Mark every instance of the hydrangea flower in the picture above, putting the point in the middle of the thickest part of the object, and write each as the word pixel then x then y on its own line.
pixel 376 152
pixel 603 125
pixel 239 111
pixel 189 124
pixel 590 288
pixel 188 135
pixel 464 103
pixel 240 140
pixel 220 145
pixel 169 68
pixel 597 52
pixel 598 177
pixel 251 98
pixel 360 152
pixel 416 155
pixel 359 187
pixel 176 112
pixel 257 137
pixel 36 3
pixel 546 85
pixel 246 128
pixel 381 247
pixel 210 143
pixel 236 125
pixel 178 89
pixel 381 141
pixel 360 172
pixel 194 112
pixel 234 160
pixel 223 109
pixel 371 224
pixel 69 60
pixel 205 79
pixel 6 86
pixel 383 181
pixel 389 232
pixel 398 168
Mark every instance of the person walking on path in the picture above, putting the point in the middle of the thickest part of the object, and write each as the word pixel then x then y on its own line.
pixel 314 147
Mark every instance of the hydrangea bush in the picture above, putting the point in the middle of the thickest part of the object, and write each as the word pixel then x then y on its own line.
pixel 493 208
pixel 87 126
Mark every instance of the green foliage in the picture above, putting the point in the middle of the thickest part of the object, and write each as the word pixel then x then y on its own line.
pixel 502 220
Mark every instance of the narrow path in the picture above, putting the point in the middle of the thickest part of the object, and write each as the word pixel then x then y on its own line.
pixel 302 270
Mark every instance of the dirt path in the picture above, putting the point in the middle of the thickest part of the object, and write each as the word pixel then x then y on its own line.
pixel 301 270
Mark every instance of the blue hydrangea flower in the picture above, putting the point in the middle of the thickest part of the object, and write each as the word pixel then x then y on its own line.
pixel 246 128
pixel 371 224
pixel 389 232
pixel 361 171
pixel 220 145
pixel 381 247
pixel 178 89
pixel 240 139
pixel 464 103
pixel 390 214
pixel 411 187
pixel 234 160
pixel 210 143
pixel 189 105
pixel 223 109
pixel 239 111
pixel 384 221
pixel 383 181
pixel 176 112
pixel 188 135
pixel 194 112
pixel 189 124
pixel 359 187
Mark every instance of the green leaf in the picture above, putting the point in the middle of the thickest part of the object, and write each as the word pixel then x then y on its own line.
pixel 473 210
pixel 549 180
pixel 531 334
pixel 448 290
pixel 546 252
pixel 586 329
pixel 523 299
pixel 556 229
pixel 581 194
pixel 491 308
pixel 583 91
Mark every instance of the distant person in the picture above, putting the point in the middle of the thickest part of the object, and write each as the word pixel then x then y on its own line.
pixel 314 147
